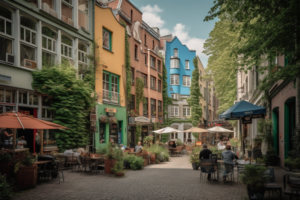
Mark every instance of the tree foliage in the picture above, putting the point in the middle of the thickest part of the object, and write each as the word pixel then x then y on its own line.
pixel 72 100
pixel 194 100
pixel 139 92
pixel 166 99
pixel 222 62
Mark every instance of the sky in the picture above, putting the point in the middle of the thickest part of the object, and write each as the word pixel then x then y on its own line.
pixel 181 18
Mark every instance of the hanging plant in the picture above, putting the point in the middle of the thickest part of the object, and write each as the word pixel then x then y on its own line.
pixel 139 92
pixel 138 132
pixel 103 119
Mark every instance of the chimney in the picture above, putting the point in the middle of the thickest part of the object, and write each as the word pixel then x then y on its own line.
pixel 156 30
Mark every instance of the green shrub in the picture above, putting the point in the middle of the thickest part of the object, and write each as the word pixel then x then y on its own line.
pixel 134 161
pixel 254 176
pixel 5 192
pixel 4 157
pixel 198 149
pixel 292 162
pixel 118 167
pixel 179 142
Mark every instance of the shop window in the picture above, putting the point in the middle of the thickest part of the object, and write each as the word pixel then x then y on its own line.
pixel 144 77
pixel 33 99
pixel 152 62
pixel 106 39
pixel 102 133
pixel 113 133
pixel 145 106
pixel 159 85
pixel 23 97
pixel 28 31
pixel 66 46
pixel 158 65
pixel 174 79
pixel 5 48
pixel 186 81
pixel 49 138
pixel 5 21
pixel 83 14
pixel 152 82
pixel 153 107
pixel 186 111
pixel 67 12
pixel 174 63
pixel 27 56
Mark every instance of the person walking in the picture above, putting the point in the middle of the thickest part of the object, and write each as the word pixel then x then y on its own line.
pixel 204 154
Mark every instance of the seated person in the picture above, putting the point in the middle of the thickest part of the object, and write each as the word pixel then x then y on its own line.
pixel 173 144
pixel 204 154
pixel 228 157
pixel 138 147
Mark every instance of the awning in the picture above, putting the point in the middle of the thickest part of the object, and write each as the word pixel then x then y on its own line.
pixel 241 109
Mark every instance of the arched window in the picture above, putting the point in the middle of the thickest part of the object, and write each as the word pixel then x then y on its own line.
pixel 6 30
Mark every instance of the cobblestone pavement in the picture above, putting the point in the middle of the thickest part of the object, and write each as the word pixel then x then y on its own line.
pixel 171 180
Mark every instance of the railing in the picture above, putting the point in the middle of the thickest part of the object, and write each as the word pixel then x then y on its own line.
pixel 150 30
pixel 110 96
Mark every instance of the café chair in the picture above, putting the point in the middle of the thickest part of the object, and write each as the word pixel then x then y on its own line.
pixel 207 166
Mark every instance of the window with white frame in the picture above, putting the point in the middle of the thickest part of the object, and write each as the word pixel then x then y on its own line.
pixel 49 38
pixel 6 22
pixel 176 52
pixel 175 63
pixel 174 96
pixel 186 111
pixel 174 79
pixel 82 58
pixel 66 47
pixel 187 64
pixel 186 81
pixel 174 110
pixel 28 31
pixel 67 12
pixel 83 14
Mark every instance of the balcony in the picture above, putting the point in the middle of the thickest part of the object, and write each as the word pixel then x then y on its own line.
pixel 111 97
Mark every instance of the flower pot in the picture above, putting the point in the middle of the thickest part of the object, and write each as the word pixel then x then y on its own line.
pixel 6 168
pixel 109 163
pixel 256 194
pixel 195 166
pixel 26 177
pixel 120 174
pixel 153 158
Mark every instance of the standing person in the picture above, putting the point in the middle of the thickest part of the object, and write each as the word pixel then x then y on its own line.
pixel 38 142
pixel 228 157
pixel 204 154
pixel 138 147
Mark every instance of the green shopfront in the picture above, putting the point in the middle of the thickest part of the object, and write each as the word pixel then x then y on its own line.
pixel 111 125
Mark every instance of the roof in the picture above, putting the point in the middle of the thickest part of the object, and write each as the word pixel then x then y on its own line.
pixel 113 4
pixel 180 42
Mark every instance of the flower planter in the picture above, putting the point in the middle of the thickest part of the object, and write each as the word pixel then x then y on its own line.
pixel 6 168
pixel 26 177
pixel 109 163
pixel 257 194
pixel 195 166
pixel 153 158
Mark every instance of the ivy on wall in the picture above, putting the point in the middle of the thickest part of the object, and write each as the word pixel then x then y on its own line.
pixel 139 92
pixel 166 99
pixel 138 133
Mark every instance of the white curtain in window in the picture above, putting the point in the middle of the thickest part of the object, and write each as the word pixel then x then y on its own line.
pixel 26 53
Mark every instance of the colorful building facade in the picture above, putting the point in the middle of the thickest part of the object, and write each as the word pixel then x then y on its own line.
pixel 110 78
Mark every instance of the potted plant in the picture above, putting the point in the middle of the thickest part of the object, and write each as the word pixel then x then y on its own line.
pixel 134 113
pixel 118 167
pixel 292 163
pixel 5 192
pixel 195 161
pixel 5 164
pixel 26 172
pixel 254 178
pixel 272 158
pixel 110 160
pixel 179 142
pixel 133 162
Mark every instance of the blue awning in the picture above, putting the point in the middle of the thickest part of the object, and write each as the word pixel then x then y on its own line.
pixel 241 109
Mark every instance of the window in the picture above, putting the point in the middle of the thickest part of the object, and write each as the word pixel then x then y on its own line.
pixel 144 76
pixel 201 90
pixel 152 62
pixel 67 12
pixel 153 107
pixel 132 76
pixel 187 81
pixel 174 79
pixel 82 53
pixel 159 108
pixel 186 111
pixel 23 97
pixel 159 85
pixel 47 113
pixel 49 38
pixel 174 96
pixel 28 31
pixel 7 96
pixel 33 99
pixel 66 46
pixel 187 64
pixel 5 21
pixel 176 52
pixel 257 76
pixel 175 63
pixel 106 39
pixel 174 111
pixel 153 44
pixel 6 48
pixel 83 14
pixel 48 59
pixel 145 106
pixel 200 75
pixel 158 65
pixel 110 88
pixel 28 53
pixel 50 3
pixel 132 103
pixel 152 82
pixel 135 51
pixel 131 16
pixel 146 59
pixel 145 40
pixel 49 138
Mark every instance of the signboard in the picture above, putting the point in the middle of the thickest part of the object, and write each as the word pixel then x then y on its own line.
pixel 131 120
pixel 113 110
pixel 5 78
pixel 142 119
pixel 119 137
pixel 247 120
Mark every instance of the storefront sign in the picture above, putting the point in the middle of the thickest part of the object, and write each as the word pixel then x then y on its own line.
pixel 5 78
pixel 142 119
pixel 113 110
pixel 247 120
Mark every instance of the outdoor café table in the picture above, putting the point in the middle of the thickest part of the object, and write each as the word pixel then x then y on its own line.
pixel 42 162
pixel 97 160
pixel 171 150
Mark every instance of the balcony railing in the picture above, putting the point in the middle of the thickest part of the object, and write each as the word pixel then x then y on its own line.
pixel 110 96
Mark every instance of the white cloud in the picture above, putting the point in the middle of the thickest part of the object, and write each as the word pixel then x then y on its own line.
pixel 150 15
pixel 148 8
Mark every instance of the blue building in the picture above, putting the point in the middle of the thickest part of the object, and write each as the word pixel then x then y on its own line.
pixel 179 64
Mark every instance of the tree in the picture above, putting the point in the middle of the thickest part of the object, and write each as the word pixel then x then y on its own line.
pixel 194 100
pixel 222 62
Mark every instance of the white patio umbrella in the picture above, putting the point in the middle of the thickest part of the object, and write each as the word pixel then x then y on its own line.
pixel 166 130
pixel 219 129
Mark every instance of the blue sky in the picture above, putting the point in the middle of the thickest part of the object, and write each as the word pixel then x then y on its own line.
pixel 181 18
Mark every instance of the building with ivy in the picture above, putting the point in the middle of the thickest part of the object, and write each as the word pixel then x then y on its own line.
pixel 35 34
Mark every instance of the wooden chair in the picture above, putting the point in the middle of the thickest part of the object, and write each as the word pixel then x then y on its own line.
pixel 207 166
pixel 293 180
pixel 272 185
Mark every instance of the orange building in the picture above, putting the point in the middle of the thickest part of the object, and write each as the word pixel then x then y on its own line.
pixel 145 63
